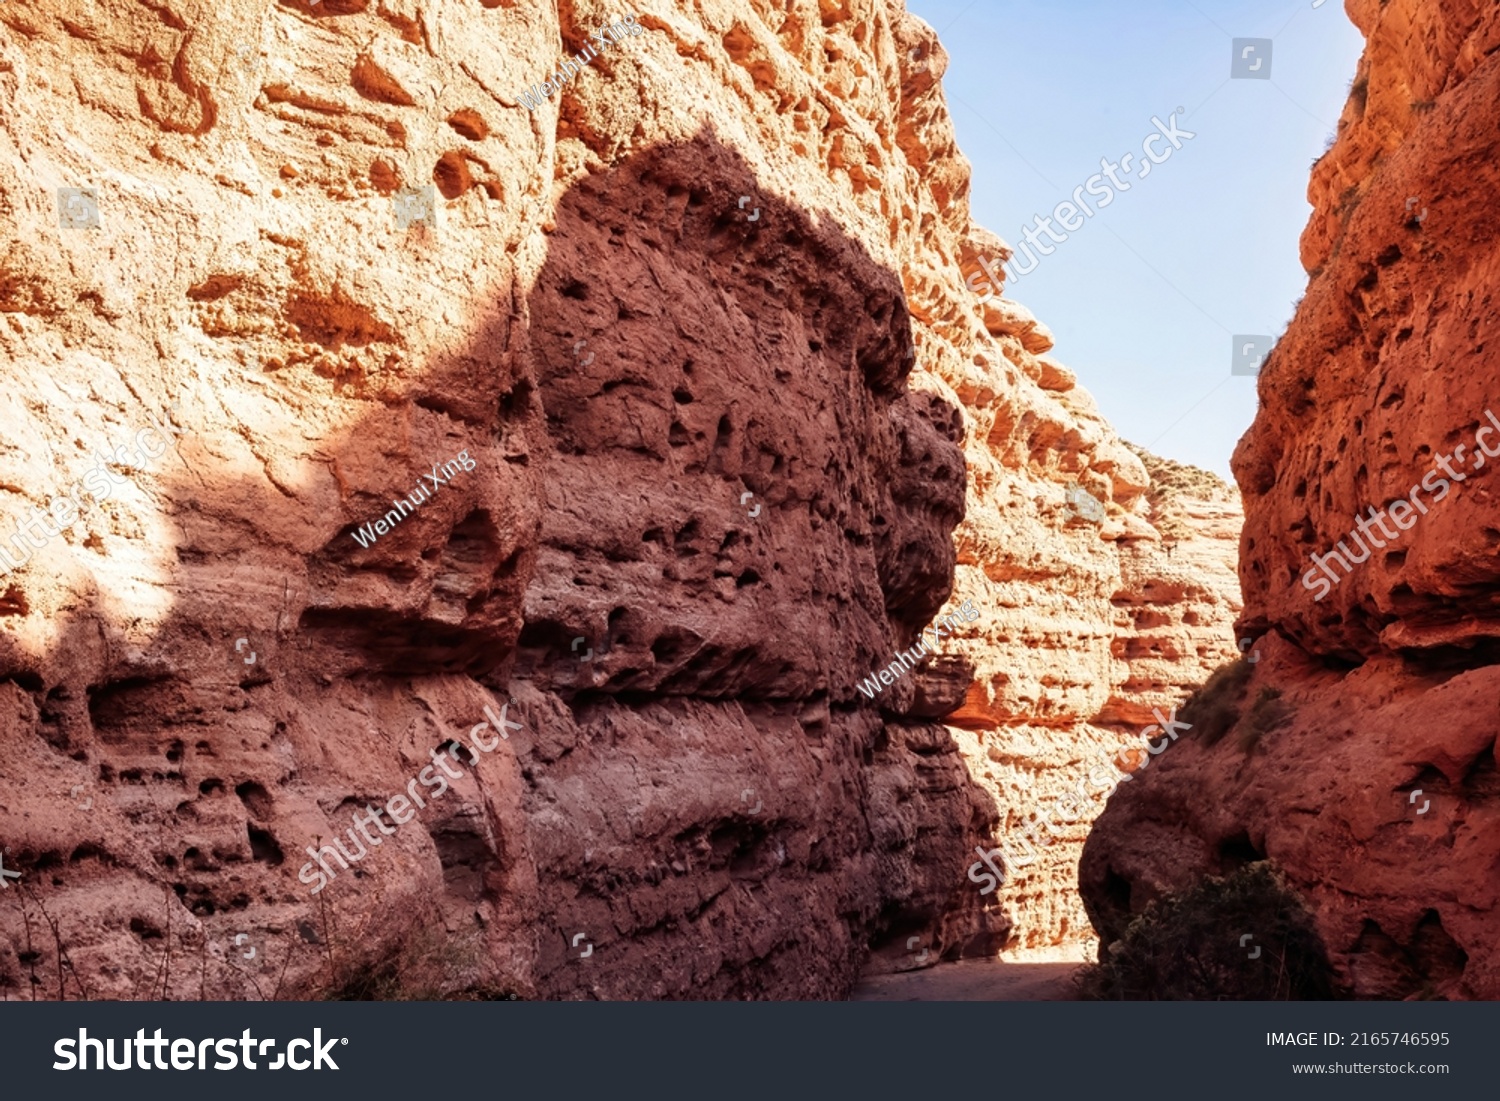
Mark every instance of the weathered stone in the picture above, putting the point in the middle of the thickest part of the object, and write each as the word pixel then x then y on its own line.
pixel 1371 778
pixel 740 430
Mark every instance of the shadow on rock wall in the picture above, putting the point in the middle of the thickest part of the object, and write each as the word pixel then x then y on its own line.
pixel 704 506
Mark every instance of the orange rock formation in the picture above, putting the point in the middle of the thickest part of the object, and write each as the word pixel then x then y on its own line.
pixel 1371 779
pixel 740 432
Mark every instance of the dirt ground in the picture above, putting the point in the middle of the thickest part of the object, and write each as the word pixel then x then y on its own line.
pixel 975 981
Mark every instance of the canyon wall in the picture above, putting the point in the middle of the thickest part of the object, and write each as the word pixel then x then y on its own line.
pixel 1100 634
pixel 1371 777
pixel 692 422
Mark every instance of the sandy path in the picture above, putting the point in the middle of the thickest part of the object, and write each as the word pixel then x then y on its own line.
pixel 973 981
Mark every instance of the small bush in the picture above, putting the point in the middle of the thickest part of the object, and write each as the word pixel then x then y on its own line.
pixel 1215 708
pixel 427 965
pixel 1186 947
pixel 1266 714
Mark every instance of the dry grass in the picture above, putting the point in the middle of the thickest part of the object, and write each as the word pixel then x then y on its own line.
pixel 427 965
pixel 1214 710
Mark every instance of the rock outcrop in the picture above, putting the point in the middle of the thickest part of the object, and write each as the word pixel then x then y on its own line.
pixel 650 412
pixel 1103 624
pixel 1179 594
pixel 1363 760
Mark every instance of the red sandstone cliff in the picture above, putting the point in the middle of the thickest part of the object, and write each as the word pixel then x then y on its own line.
pixel 1372 779
pixel 738 430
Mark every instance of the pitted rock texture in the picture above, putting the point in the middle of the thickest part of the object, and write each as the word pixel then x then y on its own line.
pixel 1108 638
pixel 1387 683
pixel 739 432
pixel 1178 595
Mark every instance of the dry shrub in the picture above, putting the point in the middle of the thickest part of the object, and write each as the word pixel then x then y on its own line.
pixel 1266 715
pixel 426 965
pixel 1186 947
pixel 1215 708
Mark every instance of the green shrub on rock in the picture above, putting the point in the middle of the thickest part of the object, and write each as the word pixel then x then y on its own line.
pixel 1245 936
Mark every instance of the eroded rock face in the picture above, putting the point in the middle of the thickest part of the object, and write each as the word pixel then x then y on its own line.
pixel 1385 674
pixel 1131 616
pixel 675 478
pixel 1179 593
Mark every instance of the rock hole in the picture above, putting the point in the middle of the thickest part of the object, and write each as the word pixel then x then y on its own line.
pixel 384 178
pixel 451 174
pixel 669 647
pixel 14 603
pixel 374 83
pixel 724 430
pixel 145 930
pixel 263 847
pixel 1437 955
pixel 1237 851
pixel 116 707
pixel 516 400
pixel 469 123
pixel 463 855
pixel 256 799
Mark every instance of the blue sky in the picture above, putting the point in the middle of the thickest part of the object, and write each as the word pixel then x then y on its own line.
pixel 1146 296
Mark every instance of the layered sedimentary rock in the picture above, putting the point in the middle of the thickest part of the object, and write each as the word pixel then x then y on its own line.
pixel 1179 594
pixel 664 418
pixel 1371 777
pixel 1090 648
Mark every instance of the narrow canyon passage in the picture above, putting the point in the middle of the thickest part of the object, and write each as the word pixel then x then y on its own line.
pixel 620 537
